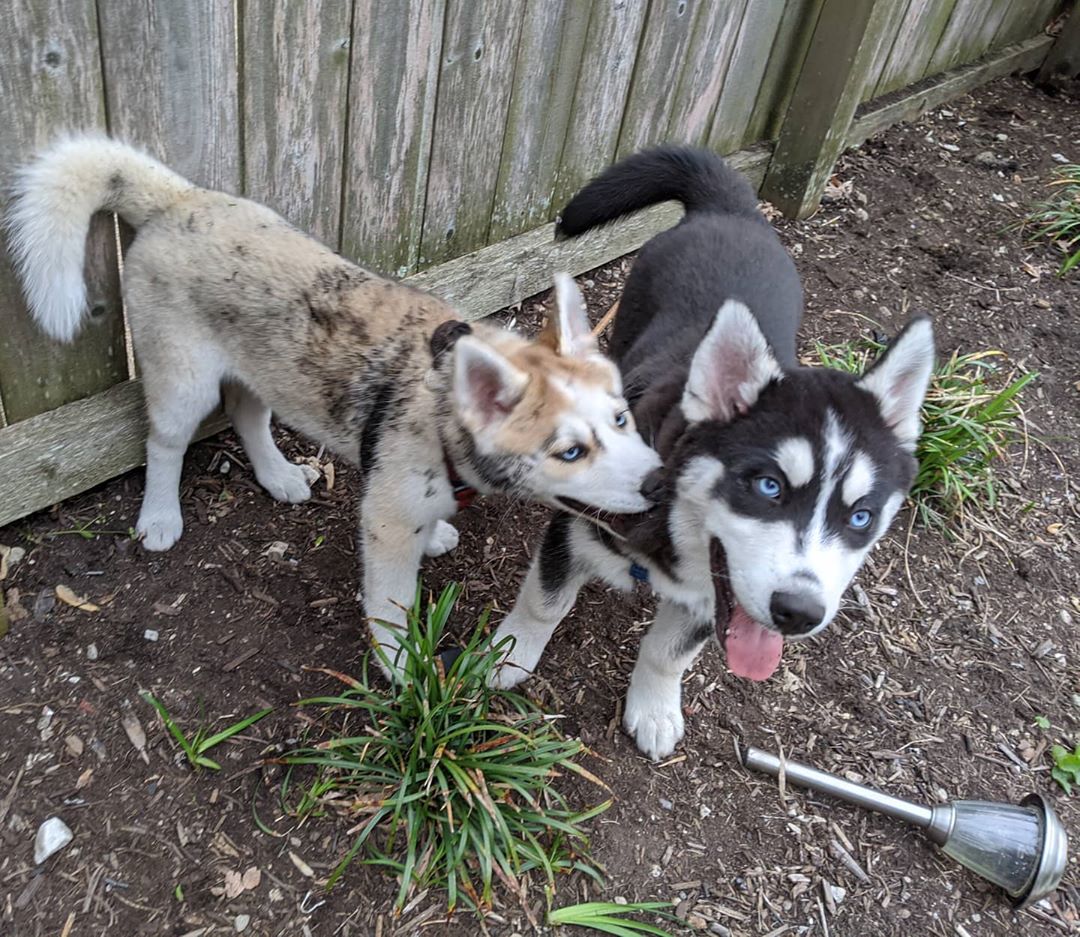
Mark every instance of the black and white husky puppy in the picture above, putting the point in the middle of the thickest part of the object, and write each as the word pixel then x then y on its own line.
pixel 779 478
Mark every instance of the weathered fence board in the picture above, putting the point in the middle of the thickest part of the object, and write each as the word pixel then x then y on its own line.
pixel 887 39
pixel 395 55
pixel 916 39
pixel 548 59
pixel 750 58
pixel 51 83
pixel 969 32
pixel 607 67
pixel 294 103
pixel 171 78
pixel 649 102
pixel 785 62
pixel 815 128
pixel 705 71
pixel 1026 18
pixel 475 81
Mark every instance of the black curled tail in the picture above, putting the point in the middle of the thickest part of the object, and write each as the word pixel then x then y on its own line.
pixel 698 178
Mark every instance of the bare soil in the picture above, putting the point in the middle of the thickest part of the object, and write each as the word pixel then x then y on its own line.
pixel 928 685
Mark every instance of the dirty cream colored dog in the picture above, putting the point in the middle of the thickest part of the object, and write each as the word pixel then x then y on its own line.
pixel 223 294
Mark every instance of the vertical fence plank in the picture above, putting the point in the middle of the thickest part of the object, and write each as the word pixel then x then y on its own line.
pixel 607 67
pixel 664 39
pixel 889 33
pixel 50 81
pixel 918 35
pixel 548 59
pixel 749 60
pixel 172 82
pixel 705 71
pixel 294 90
pixel 1025 18
pixel 968 34
pixel 815 128
pixel 475 81
pixel 797 22
pixel 394 76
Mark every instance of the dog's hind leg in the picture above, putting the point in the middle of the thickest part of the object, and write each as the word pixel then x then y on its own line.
pixel 557 573
pixel 282 480
pixel 653 714
pixel 178 397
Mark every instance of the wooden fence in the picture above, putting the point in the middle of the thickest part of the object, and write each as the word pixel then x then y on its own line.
pixel 436 139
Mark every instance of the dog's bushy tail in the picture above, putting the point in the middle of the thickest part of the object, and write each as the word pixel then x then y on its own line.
pixel 698 178
pixel 54 198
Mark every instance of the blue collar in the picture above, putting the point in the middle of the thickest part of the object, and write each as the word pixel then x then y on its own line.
pixel 640 573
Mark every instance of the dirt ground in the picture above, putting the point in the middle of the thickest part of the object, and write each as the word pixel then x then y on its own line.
pixel 928 685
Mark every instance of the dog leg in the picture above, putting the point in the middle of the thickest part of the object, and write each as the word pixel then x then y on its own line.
pixel 283 480
pixel 653 714
pixel 556 575
pixel 174 411
pixel 442 537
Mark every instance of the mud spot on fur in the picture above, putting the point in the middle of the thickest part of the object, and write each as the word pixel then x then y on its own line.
pixel 116 181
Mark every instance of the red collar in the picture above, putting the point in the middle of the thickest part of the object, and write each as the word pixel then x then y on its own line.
pixel 463 492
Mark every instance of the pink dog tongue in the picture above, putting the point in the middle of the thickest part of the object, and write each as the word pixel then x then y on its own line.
pixel 752 651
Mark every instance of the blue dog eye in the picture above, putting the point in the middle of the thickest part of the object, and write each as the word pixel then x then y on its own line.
pixel 767 486
pixel 860 520
pixel 621 419
pixel 572 454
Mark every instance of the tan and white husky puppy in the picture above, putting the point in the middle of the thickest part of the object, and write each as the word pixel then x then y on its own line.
pixel 223 294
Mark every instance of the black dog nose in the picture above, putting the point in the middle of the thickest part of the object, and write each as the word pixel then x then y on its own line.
pixel 796 612
pixel 653 486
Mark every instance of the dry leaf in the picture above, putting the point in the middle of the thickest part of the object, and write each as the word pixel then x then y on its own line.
pixel 328 474
pixel 74 745
pixel 135 733
pixel 68 597
pixel 234 885
pixel 252 878
pixel 305 869
pixel 1055 529
pixel 15 611
pixel 84 779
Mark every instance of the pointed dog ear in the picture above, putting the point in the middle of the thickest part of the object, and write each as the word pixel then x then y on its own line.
pixel 730 368
pixel 566 330
pixel 486 385
pixel 899 379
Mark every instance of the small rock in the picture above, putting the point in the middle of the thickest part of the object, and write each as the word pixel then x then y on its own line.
pixel 704 811
pixel 91 652
pixel 150 634
pixel 225 466
pixel 861 214
pixel 666 804
pixel 1059 157
pixel 951 147
pixel 43 604
pixel 241 922
pixel 276 551
pixel 839 893
pixel 52 836
pixel 988 160
pixel 74 745
pixel 1001 136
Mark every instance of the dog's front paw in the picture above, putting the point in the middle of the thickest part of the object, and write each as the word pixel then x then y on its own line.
pixel 289 483
pixel 444 537
pixel 159 530
pixel 654 714
pixel 521 658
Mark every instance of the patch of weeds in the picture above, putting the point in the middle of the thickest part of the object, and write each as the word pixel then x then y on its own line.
pixel 1066 769
pixel 450 783
pixel 1058 219
pixel 970 415
pixel 607 918
pixel 200 743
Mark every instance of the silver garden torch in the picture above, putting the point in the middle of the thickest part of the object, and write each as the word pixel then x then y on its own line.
pixel 1020 847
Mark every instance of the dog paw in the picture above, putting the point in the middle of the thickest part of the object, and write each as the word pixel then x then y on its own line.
pixel 159 531
pixel 522 658
pixel 654 717
pixel 444 537
pixel 289 483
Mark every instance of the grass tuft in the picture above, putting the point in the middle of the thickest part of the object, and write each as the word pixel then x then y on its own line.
pixel 1058 219
pixel 196 747
pixel 607 918
pixel 971 414
pixel 451 784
